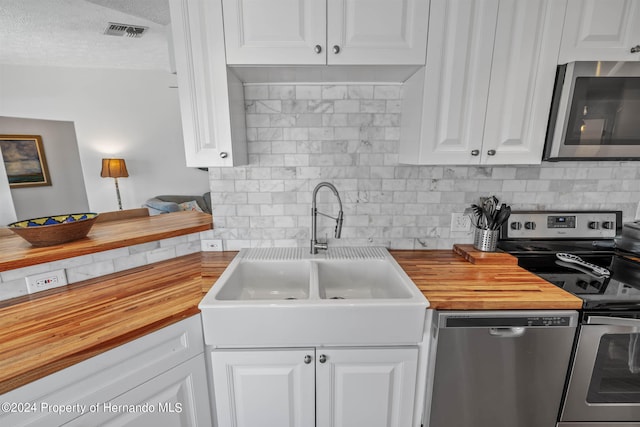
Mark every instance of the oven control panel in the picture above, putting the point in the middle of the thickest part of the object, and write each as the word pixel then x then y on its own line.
pixel 563 225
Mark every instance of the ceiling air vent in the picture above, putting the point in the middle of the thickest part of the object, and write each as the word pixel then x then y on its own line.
pixel 115 29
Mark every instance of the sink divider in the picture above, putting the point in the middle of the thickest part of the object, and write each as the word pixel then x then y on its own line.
pixel 314 282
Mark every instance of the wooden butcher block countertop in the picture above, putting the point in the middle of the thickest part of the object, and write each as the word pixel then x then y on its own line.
pixel 16 252
pixel 51 330
pixel 43 333
pixel 467 279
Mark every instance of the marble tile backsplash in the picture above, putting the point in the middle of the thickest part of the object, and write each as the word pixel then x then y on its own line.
pixel 13 284
pixel 300 135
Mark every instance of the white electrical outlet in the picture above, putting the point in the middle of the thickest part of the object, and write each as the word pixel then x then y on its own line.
pixel 47 280
pixel 460 222
pixel 211 245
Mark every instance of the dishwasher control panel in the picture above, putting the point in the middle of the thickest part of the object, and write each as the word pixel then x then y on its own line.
pixel 508 319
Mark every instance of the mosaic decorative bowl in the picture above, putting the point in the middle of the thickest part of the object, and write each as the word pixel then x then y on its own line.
pixel 54 230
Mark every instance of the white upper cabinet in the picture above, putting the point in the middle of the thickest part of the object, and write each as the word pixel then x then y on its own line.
pixel 485 94
pixel 211 98
pixel 456 83
pixel 523 75
pixel 601 30
pixel 275 31
pixel 308 32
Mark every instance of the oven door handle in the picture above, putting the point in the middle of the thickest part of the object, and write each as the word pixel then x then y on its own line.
pixel 613 321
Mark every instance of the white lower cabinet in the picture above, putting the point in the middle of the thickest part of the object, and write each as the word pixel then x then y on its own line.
pixel 157 380
pixel 322 387
pixel 265 387
pixel 173 399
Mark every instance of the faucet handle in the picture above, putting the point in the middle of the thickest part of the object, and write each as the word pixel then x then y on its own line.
pixel 338 230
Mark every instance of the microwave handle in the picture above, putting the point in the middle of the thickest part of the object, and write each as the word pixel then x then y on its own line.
pixel 613 321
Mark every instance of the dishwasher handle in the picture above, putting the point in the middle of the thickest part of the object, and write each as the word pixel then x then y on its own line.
pixel 513 332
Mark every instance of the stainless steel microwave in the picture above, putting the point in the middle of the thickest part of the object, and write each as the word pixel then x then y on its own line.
pixel 595 112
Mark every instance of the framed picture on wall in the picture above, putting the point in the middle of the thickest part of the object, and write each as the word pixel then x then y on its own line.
pixel 24 160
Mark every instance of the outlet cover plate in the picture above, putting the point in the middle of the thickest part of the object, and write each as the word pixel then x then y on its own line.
pixel 47 280
pixel 460 222
pixel 211 245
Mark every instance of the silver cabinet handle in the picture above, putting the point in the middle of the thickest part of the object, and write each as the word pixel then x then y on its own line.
pixel 317 49
pixel 336 49
pixel 224 155
pixel 307 359
pixel 475 152
pixel 635 49
pixel 491 152
pixel 322 358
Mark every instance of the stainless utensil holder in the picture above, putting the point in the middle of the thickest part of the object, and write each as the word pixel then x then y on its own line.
pixel 486 240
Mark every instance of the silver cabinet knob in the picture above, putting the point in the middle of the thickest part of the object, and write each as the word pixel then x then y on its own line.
pixel 491 153
pixel 224 155
pixel 322 358
pixel 317 49
pixel 635 49
pixel 307 359
pixel 475 152
pixel 336 49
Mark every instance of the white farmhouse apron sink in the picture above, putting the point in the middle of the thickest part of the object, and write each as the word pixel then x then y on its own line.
pixel 289 297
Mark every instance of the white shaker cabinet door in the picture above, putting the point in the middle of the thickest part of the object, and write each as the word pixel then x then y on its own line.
pixel 523 71
pixel 308 32
pixel 366 387
pixel 275 31
pixel 601 30
pixel 176 398
pixel 264 387
pixel 211 98
pixel 377 32
pixel 456 83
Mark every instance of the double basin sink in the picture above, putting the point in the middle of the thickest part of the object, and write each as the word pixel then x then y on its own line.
pixel 288 297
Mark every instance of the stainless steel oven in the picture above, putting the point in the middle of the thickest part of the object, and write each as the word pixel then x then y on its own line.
pixel 594 113
pixel 579 252
pixel 604 383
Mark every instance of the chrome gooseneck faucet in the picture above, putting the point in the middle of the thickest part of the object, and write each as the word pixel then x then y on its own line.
pixel 315 245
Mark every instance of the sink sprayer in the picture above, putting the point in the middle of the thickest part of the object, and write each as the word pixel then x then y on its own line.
pixel 315 245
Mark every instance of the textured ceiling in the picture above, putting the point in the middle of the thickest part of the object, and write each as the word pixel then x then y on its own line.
pixel 69 33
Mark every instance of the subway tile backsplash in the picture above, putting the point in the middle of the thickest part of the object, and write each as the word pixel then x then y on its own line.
pixel 300 135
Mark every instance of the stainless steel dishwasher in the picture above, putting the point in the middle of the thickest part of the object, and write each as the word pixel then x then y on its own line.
pixel 500 368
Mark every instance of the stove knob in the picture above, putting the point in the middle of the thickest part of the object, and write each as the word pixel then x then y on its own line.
pixel 530 225
pixel 594 225
pixel 516 225
pixel 582 284
pixel 608 225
